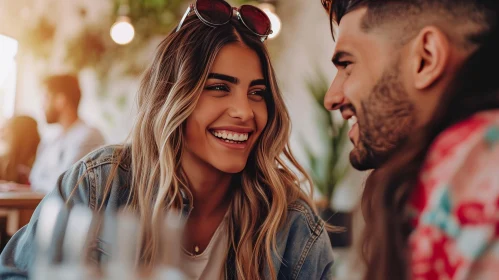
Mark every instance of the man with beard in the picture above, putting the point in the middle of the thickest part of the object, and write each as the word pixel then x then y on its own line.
pixel 74 139
pixel 417 75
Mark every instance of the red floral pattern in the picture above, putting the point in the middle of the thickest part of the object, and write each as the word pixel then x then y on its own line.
pixel 456 204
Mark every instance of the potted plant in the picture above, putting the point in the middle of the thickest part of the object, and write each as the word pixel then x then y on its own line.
pixel 329 166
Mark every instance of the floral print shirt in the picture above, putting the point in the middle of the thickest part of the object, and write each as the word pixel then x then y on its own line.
pixel 456 204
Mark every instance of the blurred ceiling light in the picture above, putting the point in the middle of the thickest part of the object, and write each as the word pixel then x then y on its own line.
pixel 269 9
pixel 122 31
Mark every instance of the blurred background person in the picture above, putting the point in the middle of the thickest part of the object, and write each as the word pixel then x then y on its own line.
pixel 19 141
pixel 75 138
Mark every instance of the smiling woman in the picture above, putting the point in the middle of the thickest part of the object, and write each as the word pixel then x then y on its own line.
pixel 211 140
pixel 231 112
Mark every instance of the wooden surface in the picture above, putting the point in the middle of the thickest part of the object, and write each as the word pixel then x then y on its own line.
pixel 20 199
pixel 19 206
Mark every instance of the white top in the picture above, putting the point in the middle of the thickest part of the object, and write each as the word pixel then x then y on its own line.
pixel 210 264
pixel 56 155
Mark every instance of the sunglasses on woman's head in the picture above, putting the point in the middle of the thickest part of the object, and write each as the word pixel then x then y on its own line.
pixel 326 4
pixel 218 12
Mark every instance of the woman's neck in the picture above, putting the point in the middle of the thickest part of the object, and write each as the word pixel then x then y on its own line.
pixel 209 186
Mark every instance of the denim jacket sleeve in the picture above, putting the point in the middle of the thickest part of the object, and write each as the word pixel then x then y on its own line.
pixel 303 245
pixel 18 256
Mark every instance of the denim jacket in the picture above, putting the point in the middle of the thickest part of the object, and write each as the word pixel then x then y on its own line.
pixel 304 250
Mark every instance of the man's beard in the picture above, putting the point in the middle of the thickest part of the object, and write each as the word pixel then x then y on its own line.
pixel 385 122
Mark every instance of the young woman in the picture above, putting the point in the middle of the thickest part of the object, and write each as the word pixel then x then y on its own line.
pixel 211 139
pixel 20 139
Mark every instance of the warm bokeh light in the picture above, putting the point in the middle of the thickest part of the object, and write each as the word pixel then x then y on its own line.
pixel 274 19
pixel 122 31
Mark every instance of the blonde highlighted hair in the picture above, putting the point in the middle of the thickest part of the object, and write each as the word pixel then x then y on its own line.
pixel 262 192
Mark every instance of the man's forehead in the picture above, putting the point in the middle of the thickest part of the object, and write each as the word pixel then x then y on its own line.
pixel 349 29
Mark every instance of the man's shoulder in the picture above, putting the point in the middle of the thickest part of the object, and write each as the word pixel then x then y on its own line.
pixel 90 133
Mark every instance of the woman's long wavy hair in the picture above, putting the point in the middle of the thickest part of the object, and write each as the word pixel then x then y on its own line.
pixel 262 192
pixel 388 190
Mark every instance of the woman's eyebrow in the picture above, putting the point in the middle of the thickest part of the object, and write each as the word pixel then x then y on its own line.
pixel 258 82
pixel 223 77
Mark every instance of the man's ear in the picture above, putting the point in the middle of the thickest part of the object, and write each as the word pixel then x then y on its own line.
pixel 430 52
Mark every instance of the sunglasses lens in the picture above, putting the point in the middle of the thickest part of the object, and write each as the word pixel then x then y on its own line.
pixel 326 4
pixel 214 11
pixel 255 19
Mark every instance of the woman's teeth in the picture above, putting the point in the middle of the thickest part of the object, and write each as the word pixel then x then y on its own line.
pixel 230 136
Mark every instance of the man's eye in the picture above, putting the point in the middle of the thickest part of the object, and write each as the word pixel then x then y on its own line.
pixel 343 64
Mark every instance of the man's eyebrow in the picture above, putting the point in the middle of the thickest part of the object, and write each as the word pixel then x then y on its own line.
pixel 338 56
pixel 227 78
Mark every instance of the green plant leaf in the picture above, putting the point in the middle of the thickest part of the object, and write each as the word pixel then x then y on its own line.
pixel 328 163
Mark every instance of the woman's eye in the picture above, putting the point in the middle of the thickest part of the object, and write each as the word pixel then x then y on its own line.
pixel 218 87
pixel 258 95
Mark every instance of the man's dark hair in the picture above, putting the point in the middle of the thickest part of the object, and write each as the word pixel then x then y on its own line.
pixel 66 84
pixel 474 88
pixel 411 15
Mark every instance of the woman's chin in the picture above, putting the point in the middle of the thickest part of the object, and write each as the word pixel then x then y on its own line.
pixel 231 168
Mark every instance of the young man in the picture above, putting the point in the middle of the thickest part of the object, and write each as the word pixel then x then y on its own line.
pixel 75 138
pixel 417 75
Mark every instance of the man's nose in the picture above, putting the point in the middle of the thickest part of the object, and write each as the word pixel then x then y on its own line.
pixel 334 97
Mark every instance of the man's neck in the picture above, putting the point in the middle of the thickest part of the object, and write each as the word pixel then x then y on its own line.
pixel 68 120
